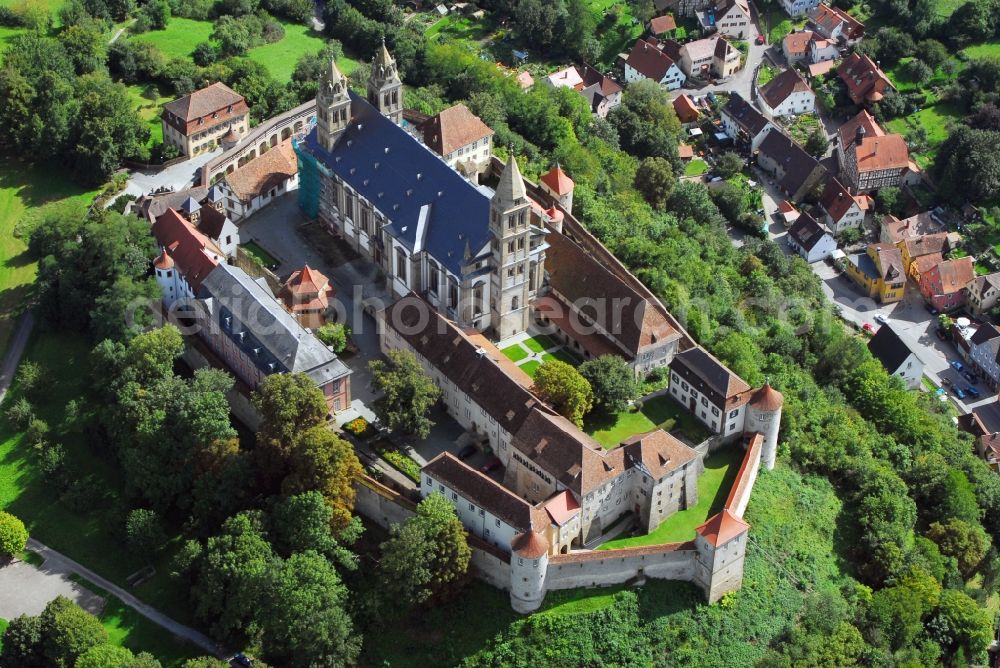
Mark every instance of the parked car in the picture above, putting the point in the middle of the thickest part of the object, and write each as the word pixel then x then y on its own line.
pixel 959 392
pixel 492 465
pixel 945 382
pixel 972 392
pixel 241 661
pixel 760 39
pixel 957 366
pixel 971 377
pixel 881 318
pixel 868 327
pixel 466 452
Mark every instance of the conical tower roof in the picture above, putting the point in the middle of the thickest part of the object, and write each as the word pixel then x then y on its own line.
pixel 767 398
pixel 383 57
pixel 511 186
pixel 333 74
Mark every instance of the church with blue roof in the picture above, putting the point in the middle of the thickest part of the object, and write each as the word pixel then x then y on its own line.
pixel 475 253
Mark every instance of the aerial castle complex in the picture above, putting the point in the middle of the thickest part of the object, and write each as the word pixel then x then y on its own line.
pixel 466 265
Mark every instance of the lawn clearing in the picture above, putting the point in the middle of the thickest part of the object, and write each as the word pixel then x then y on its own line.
pixel 23 188
pixel 515 352
pixel 179 38
pixel 713 489
pixel 561 356
pixel 127 628
pixel 148 101
pixel 936 121
pixel 696 167
pixel 765 74
pixel 984 50
pixel 541 343
pixel 662 412
pixel 530 367
pixel 280 58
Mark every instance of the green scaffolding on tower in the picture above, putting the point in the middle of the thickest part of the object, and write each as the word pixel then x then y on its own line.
pixel 308 181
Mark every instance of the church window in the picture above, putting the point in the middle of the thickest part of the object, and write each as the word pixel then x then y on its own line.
pixel 510 272
pixel 433 278
pixel 520 244
pixel 395 97
pixel 452 293
pixel 734 413
pixel 365 220
pixel 477 296
pixel 385 100
pixel 401 265
pixel 510 247
pixel 343 114
pixel 520 268
pixel 520 219
pixel 514 303
pixel 510 223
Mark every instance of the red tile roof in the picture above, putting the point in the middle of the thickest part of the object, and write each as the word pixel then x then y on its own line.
pixel 194 254
pixel 955 274
pixel 264 172
pixel 557 181
pixel 797 42
pixel 452 129
pixel 780 87
pixel 865 81
pixel 213 104
pixel 828 18
pixel 863 120
pixel 530 545
pixel 722 528
pixel 879 153
pixel 662 24
pixel 837 199
pixel 685 151
pixel 648 60
pixel 562 507
pixel 164 261
pixel 307 290
pixel 686 109
pixel 767 399
pixel 658 452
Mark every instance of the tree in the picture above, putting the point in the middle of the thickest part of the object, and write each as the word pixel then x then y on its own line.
pixel 646 122
pixel 204 54
pixel 932 52
pixel 334 334
pixel 144 532
pixel 559 384
pixel 13 536
pixel 68 631
pixel 966 542
pixel 21 644
pixel 968 165
pixel 304 522
pixel 106 656
pixel 155 14
pixel 321 461
pixel 109 126
pixel 306 621
pixel 729 164
pixel 86 46
pixel 427 556
pixel 228 578
pixel 919 71
pixel 655 180
pixel 408 393
pixel 817 142
pixel 612 381
pixel 205 662
pixel 968 626
pixel 287 403
pixel 888 200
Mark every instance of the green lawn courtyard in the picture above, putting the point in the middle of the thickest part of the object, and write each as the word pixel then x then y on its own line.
pixel 530 353
pixel 695 167
pixel 179 38
pixel 984 50
pixel 936 120
pixel 261 256
pixel 280 58
pixel 660 412
pixel 148 101
pixel 713 489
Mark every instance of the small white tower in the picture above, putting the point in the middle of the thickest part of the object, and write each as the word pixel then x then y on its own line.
pixel 529 561
pixel 764 417
pixel 721 543
pixel 166 278
pixel 558 184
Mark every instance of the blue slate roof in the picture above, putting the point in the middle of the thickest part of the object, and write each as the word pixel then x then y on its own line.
pixel 430 206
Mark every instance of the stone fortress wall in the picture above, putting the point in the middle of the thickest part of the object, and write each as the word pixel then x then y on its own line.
pixel 716 568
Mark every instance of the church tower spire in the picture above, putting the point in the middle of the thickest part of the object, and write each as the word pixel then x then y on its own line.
pixel 512 275
pixel 385 90
pixel 333 107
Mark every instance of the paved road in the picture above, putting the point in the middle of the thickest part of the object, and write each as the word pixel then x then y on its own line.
pixel 176 177
pixel 27 589
pixel 62 565
pixel 14 352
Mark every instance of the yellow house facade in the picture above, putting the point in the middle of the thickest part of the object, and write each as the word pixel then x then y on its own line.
pixel 879 271
pixel 914 248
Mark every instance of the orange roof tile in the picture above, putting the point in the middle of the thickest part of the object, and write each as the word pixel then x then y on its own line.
pixel 767 398
pixel 562 507
pixel 454 128
pixel 530 544
pixel 264 172
pixel 722 528
pixel 557 180
pixel 878 153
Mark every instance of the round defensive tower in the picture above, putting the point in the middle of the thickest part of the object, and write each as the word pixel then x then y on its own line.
pixel 764 417
pixel 529 560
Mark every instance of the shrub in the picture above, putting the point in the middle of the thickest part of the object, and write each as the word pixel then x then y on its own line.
pixel 21 413
pixel 38 431
pixel 404 464
pixel 52 462
pixel 334 334
pixel 143 531
pixel 29 375
pixel 13 535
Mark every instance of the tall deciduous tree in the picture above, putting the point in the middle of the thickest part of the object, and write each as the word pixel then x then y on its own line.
pixel 408 393
pixel 559 384
pixel 612 380
pixel 655 180
pixel 304 618
pixel 68 631
pixel 321 461
pixel 427 556
pixel 963 540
